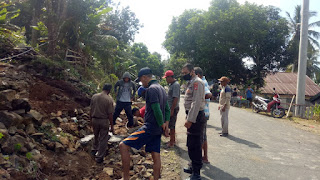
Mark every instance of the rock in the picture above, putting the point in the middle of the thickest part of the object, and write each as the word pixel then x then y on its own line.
pixel 86 139
pixel 30 146
pixel 36 155
pixel 36 115
pixel 12 130
pixel 74 119
pixel 21 132
pixel 82 133
pixel 21 104
pixel 2 126
pixel 5 135
pixel 7 95
pixel 59 147
pixel 108 170
pixel 64 140
pixel 148 164
pixel 14 143
pixel 56 120
pixel 30 129
pixel 51 146
pixel 4 174
pixel 10 118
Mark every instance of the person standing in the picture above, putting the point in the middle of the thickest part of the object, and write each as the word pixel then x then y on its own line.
pixel 101 110
pixel 208 96
pixel 173 100
pixel 249 92
pixel 224 105
pixel 156 122
pixel 125 90
pixel 194 103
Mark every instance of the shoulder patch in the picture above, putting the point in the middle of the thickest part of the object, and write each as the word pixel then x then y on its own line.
pixel 195 86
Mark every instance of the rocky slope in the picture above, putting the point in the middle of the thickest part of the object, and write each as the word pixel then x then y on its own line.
pixel 45 132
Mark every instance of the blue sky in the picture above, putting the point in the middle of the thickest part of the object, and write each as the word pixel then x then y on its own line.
pixel 156 16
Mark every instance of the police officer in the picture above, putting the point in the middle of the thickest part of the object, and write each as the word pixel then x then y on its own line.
pixel 195 120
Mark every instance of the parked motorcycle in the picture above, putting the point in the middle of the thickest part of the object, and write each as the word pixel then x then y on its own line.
pixel 261 104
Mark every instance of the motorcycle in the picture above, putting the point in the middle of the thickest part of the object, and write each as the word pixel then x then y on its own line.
pixel 261 104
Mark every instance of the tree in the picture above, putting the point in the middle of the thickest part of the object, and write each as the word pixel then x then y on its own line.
pixel 294 27
pixel 219 39
pixel 143 58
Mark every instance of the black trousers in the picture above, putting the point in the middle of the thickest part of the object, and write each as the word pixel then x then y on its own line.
pixel 127 107
pixel 194 142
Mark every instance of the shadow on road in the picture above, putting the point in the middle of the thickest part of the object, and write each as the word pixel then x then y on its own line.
pixel 243 141
pixel 215 173
pixel 216 128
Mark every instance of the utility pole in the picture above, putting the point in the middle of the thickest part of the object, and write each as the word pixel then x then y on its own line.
pixel 302 65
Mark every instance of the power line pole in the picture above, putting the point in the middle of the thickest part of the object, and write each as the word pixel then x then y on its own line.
pixel 302 66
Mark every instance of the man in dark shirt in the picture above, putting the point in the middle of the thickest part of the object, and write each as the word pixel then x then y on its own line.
pixel 156 121
pixel 101 110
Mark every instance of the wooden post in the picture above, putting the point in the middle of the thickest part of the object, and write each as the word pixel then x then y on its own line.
pixel 308 112
pixel 290 106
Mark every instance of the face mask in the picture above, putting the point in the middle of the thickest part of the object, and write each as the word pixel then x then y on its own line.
pixel 187 77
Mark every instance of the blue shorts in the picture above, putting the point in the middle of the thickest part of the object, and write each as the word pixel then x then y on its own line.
pixel 141 138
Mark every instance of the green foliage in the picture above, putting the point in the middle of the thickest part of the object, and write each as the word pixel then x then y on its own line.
pixel 6 157
pixel 316 112
pixel 143 58
pixel 29 156
pixel 46 129
pixel 211 39
pixel 17 147
pixel 294 41
pixel 1 135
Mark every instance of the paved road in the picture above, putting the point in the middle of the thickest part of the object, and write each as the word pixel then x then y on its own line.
pixel 258 147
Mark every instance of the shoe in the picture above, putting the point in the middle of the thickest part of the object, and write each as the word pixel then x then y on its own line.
pixel 188 170
pixel 194 177
pixel 224 134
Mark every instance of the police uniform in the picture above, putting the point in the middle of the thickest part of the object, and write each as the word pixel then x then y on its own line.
pixel 194 104
pixel 225 97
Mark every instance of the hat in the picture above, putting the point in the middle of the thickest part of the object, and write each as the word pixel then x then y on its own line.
pixel 224 79
pixel 168 74
pixel 143 71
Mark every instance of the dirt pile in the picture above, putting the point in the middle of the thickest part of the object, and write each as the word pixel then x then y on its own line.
pixel 45 133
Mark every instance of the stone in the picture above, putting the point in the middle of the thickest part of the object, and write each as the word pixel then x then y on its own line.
pixel 21 132
pixel 7 95
pixel 56 120
pixel 30 129
pixel 18 104
pixel 10 118
pixel 30 146
pixel 64 140
pixel 51 146
pixel 108 170
pixel 14 143
pixel 5 135
pixel 2 126
pixel 4 174
pixel 12 130
pixel 59 148
pixel 36 155
pixel 36 115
